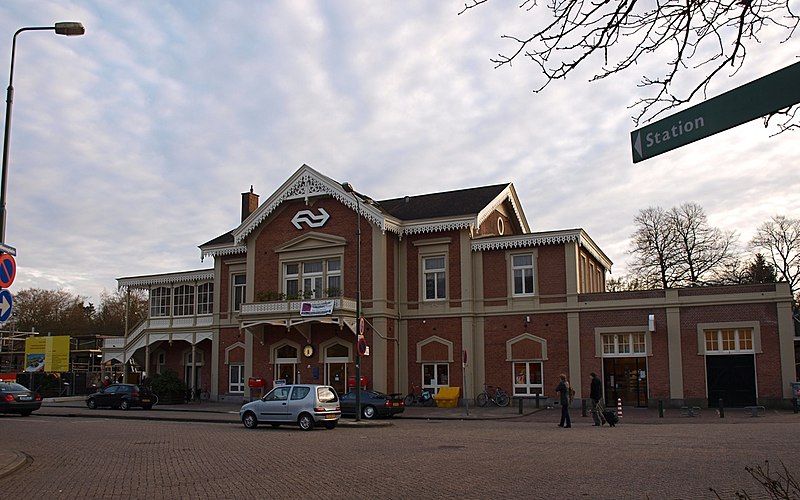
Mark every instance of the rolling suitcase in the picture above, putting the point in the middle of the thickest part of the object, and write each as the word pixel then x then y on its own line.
pixel 610 417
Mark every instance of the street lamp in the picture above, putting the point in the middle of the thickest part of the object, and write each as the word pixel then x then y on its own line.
pixel 65 28
pixel 369 201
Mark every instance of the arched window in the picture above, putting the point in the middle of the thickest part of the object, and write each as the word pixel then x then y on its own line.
pixel 160 301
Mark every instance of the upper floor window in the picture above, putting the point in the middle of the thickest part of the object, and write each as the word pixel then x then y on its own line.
pixel 729 340
pixel 315 278
pixel 522 266
pixel 160 301
pixel 624 344
pixel 184 300
pixel 205 298
pixel 239 288
pixel 434 277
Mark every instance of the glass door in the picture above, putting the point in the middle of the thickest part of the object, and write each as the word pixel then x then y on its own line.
pixel 336 376
pixel 626 379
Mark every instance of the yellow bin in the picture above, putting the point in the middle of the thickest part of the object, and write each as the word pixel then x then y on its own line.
pixel 447 397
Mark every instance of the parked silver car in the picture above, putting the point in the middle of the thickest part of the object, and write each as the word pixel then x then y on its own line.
pixel 305 405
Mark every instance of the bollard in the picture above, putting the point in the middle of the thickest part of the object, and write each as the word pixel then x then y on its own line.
pixel 660 408
pixel 794 405
pixel 520 406
pixel 721 408
pixel 583 407
pixel 619 407
pixel 537 400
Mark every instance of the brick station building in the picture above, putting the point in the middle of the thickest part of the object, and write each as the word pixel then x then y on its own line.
pixel 443 276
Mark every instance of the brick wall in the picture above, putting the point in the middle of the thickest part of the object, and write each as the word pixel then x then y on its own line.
pixel 453 266
pixel 446 328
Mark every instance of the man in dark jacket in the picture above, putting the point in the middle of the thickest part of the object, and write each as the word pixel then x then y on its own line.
pixel 563 391
pixel 596 393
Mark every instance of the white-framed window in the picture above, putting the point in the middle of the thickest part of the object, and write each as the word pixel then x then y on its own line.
pixel 236 378
pixel 205 298
pixel 435 375
pixel 522 269
pixel 315 278
pixel 435 277
pixel 160 301
pixel 624 344
pixel 183 297
pixel 528 378
pixel 729 340
pixel 239 289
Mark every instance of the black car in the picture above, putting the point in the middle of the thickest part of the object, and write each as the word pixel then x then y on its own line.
pixel 373 404
pixel 15 398
pixel 123 396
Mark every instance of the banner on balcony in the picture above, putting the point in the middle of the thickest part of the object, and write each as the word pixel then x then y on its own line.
pixel 316 308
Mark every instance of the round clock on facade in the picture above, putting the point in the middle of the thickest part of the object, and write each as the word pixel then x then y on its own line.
pixel 308 350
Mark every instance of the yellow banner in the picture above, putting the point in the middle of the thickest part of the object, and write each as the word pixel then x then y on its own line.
pixel 48 354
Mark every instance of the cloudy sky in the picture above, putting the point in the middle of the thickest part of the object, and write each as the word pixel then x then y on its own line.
pixel 131 145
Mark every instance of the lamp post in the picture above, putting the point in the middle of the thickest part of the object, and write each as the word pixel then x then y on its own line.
pixel 65 28
pixel 366 199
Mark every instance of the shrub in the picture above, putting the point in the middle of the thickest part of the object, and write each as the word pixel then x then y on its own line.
pixel 169 387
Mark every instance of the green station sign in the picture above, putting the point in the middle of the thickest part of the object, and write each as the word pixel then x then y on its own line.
pixel 768 94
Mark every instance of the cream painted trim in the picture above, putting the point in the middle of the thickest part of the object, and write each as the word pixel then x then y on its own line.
pixel 427 252
pixel 432 241
pixel 332 342
pixel 729 325
pixel 310 241
pixel 675 353
pixel 237 345
pixel 610 330
pixel 526 336
pixel 574 346
pixel 571 260
pixel 281 343
pixel 430 340
pixel 786 341
pixel 534 253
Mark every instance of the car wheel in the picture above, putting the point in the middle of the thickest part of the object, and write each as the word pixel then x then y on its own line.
pixel 92 404
pixel 124 405
pixel 330 425
pixel 147 407
pixel 26 413
pixel 306 422
pixel 249 420
pixel 368 412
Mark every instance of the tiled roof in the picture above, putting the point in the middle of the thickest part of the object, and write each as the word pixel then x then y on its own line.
pixel 447 204
pixel 223 239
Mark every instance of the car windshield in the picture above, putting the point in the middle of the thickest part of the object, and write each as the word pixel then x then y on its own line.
pixel 11 386
pixel 326 395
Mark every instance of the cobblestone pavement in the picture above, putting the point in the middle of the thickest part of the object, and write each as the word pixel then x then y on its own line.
pixel 113 458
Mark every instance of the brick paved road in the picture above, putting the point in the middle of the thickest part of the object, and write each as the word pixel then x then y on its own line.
pixel 80 457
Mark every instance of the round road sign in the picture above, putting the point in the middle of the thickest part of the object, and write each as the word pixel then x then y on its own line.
pixel 8 270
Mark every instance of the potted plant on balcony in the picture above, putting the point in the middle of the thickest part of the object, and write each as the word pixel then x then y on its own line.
pixel 333 292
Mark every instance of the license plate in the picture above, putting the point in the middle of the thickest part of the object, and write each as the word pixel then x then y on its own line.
pixel 25 398
pixel 330 417
pixel 145 401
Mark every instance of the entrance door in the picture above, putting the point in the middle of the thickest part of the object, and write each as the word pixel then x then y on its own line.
pixel 336 376
pixel 732 378
pixel 626 379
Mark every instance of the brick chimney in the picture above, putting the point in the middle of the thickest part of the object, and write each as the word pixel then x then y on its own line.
pixel 249 203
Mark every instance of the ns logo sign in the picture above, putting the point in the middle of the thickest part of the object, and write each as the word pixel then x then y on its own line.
pixel 310 218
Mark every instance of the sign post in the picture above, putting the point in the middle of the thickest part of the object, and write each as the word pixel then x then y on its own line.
pixel 763 96
pixel 464 371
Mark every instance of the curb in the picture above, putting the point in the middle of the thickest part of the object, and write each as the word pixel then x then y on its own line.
pixel 21 459
pixel 345 423
pixel 176 410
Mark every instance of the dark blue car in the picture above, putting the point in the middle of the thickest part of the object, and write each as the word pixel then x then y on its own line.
pixel 373 404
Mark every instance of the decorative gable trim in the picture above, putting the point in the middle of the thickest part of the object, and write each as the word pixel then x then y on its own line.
pixel 435 227
pixel 226 250
pixel 310 241
pixel 509 194
pixel 304 184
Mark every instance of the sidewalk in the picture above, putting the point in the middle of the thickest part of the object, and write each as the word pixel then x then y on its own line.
pixel 11 461
pixel 211 412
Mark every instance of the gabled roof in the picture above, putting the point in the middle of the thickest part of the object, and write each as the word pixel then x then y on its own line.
pixel 460 209
pixel 448 204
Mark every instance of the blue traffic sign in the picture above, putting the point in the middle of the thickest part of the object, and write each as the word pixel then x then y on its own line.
pixel 6 305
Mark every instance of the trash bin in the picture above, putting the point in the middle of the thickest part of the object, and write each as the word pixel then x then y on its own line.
pixel 447 397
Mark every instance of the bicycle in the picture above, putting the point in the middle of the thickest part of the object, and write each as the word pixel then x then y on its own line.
pixel 423 398
pixel 494 394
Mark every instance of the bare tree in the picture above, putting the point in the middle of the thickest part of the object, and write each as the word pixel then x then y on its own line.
pixel 701 249
pixel 779 239
pixel 697 40
pixel 654 249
